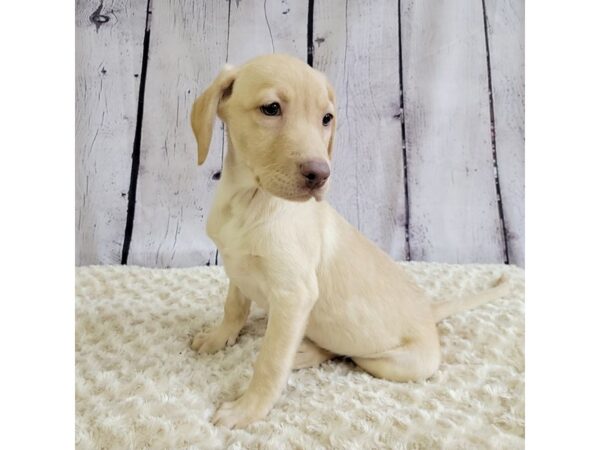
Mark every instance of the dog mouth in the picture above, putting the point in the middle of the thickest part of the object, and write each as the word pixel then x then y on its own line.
pixel 304 193
pixel 298 192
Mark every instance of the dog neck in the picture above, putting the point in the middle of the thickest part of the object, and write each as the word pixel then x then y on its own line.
pixel 237 175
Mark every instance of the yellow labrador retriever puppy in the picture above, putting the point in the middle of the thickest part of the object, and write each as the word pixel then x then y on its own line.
pixel 328 290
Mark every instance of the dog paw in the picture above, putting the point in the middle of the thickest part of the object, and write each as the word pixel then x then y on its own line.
pixel 213 341
pixel 240 413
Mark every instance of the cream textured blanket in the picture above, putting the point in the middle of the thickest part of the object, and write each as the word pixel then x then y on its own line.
pixel 139 385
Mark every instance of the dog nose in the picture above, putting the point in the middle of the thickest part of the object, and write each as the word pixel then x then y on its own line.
pixel 315 173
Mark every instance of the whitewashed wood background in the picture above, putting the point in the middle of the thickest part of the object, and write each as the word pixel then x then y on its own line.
pixel 429 158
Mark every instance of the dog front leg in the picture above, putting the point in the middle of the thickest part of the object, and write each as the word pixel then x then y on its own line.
pixel 237 308
pixel 285 329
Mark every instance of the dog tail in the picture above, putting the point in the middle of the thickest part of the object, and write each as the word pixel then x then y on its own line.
pixel 444 309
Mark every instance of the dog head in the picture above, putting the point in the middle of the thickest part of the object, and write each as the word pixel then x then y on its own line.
pixel 280 117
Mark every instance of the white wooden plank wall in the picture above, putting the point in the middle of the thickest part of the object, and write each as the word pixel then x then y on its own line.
pixel 412 80
pixel 108 57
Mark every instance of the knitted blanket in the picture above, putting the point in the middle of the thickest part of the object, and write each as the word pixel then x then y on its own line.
pixel 139 385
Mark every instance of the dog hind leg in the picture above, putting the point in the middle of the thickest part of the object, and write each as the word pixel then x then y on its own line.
pixel 310 354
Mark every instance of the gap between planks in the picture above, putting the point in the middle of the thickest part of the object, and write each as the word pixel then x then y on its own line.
pixel 493 133
pixel 135 156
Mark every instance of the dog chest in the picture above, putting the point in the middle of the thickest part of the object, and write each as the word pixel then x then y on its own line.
pixel 240 242
pixel 244 271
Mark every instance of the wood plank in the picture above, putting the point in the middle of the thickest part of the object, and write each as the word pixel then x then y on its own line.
pixel 258 27
pixel 356 45
pixel 453 207
pixel 108 54
pixel 507 61
pixel 188 46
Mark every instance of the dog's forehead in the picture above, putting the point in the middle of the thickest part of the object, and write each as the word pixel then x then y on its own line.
pixel 287 74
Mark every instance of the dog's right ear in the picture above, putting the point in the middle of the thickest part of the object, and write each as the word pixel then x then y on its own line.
pixel 205 107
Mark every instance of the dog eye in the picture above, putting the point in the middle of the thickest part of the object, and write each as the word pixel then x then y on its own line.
pixel 327 118
pixel 272 109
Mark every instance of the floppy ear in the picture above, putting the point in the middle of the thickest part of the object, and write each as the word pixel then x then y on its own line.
pixel 331 94
pixel 205 107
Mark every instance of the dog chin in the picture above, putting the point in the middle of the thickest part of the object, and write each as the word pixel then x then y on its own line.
pixel 303 196
pixel 318 194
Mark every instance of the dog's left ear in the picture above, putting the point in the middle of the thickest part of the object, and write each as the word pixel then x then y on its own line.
pixel 205 108
pixel 331 94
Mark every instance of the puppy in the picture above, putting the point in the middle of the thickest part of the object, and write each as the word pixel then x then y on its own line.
pixel 328 290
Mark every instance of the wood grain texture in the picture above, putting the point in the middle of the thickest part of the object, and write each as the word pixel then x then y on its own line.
pixel 188 47
pixel 356 45
pixel 108 58
pixel 506 41
pixel 453 206
pixel 258 27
